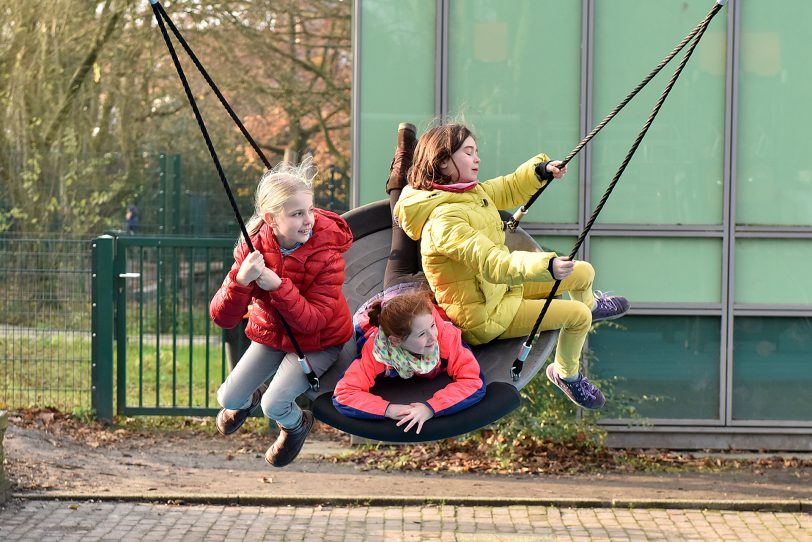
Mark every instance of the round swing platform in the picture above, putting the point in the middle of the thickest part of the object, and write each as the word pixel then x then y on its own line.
pixel 365 264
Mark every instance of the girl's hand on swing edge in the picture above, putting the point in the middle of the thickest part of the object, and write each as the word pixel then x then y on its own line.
pixel 553 168
pixel 251 268
pixel 419 413
pixel 396 411
pixel 268 280
pixel 562 267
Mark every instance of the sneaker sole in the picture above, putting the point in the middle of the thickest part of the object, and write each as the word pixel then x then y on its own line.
pixel 554 378
pixel 613 317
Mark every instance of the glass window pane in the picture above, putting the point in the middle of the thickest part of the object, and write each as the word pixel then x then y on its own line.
pixel 676 176
pixel 775 83
pixel 772 369
pixel 560 245
pixel 666 366
pixel 657 269
pixel 397 82
pixel 753 275
pixel 514 75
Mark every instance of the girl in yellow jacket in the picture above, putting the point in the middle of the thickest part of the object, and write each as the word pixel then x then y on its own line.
pixel 486 290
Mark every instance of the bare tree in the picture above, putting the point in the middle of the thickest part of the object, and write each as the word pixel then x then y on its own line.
pixel 88 87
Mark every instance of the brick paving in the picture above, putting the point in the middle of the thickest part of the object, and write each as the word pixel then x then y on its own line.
pixel 66 521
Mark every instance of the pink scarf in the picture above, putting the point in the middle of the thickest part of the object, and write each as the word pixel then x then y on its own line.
pixel 457 187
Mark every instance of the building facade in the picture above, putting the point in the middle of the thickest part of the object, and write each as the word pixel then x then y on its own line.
pixel 709 230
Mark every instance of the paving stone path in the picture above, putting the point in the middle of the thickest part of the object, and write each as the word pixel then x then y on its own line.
pixel 64 521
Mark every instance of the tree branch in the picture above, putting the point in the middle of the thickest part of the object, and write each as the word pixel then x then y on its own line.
pixel 81 74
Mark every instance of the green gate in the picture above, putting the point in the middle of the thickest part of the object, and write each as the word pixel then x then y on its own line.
pixel 152 332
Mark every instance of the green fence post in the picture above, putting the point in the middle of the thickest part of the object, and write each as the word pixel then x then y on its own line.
pixel 162 203
pixel 176 178
pixel 102 315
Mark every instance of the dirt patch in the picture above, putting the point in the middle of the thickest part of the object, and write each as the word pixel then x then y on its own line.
pixel 50 452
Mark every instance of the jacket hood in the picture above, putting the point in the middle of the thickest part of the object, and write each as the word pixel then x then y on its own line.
pixel 334 230
pixel 415 207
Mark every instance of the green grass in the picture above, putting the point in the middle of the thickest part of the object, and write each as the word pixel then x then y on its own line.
pixel 46 370
pixel 55 370
pixel 181 376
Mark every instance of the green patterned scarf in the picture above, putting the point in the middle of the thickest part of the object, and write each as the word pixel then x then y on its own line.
pixel 401 360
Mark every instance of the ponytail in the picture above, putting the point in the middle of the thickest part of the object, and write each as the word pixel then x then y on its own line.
pixel 394 316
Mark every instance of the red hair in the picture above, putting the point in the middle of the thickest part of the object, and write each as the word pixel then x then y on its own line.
pixel 395 316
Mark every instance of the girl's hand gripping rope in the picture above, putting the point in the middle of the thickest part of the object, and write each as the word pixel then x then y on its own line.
pixel 251 268
pixel 561 267
pixel 555 169
pixel 268 280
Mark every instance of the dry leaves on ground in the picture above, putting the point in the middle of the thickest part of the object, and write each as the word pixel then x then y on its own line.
pixel 252 438
pixel 493 454
pixel 487 453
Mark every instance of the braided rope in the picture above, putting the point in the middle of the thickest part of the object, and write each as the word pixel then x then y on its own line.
pixel 161 15
pixel 214 88
pixel 519 362
pixel 514 221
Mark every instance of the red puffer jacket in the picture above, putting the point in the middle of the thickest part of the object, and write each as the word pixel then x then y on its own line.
pixel 310 297
pixel 354 394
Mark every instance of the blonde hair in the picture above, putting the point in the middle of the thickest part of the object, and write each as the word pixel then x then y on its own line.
pixel 276 187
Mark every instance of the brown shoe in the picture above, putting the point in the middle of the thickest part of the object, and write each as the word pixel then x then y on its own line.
pixel 404 153
pixel 289 442
pixel 229 421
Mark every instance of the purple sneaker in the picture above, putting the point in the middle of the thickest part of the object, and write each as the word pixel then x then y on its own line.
pixel 580 392
pixel 608 307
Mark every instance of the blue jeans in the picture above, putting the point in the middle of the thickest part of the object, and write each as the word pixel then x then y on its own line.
pixel 288 381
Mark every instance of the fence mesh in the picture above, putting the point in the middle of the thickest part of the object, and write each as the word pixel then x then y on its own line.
pixel 45 322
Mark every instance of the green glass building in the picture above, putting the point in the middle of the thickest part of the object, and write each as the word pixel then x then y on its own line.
pixel 709 231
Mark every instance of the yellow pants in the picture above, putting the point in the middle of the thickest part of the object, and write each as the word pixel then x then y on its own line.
pixel 572 316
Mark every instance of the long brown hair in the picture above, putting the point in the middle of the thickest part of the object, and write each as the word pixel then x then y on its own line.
pixel 434 147
pixel 396 315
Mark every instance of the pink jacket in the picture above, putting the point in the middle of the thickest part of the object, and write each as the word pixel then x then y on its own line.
pixel 352 396
pixel 310 297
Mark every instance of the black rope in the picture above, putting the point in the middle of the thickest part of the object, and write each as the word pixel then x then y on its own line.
pixel 202 125
pixel 519 362
pixel 160 15
pixel 513 222
pixel 214 88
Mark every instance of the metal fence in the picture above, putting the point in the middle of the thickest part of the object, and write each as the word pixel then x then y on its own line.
pixel 179 196
pixel 169 357
pixel 45 336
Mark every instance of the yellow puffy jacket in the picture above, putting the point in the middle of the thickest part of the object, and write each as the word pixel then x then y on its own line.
pixel 475 279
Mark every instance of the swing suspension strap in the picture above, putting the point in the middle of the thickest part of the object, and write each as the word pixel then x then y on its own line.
pixel 513 222
pixel 160 16
pixel 518 364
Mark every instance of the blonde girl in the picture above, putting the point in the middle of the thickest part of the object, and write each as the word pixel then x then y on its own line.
pixel 296 271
